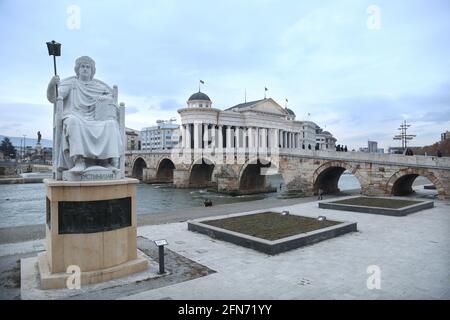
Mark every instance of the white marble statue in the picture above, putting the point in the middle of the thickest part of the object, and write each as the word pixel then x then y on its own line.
pixel 90 133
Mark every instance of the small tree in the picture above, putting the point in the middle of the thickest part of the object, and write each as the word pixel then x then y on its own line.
pixel 7 148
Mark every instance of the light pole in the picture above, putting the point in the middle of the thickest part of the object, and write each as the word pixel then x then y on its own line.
pixel 403 136
pixel 24 146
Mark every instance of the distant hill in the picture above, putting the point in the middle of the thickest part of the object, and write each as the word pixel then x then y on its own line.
pixel 18 141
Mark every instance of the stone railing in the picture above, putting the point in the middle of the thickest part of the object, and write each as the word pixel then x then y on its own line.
pixel 378 158
pixel 351 156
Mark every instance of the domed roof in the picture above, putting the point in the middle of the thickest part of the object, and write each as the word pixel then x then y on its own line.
pixel 199 96
pixel 290 112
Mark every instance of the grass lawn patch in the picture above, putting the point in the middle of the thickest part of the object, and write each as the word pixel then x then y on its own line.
pixel 270 232
pixel 378 205
pixel 378 202
pixel 270 225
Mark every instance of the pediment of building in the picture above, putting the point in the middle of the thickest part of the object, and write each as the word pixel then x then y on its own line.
pixel 268 106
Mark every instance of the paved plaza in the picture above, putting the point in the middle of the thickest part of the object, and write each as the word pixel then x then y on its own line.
pixel 411 252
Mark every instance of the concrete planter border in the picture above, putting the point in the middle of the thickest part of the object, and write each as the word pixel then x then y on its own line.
pixel 268 246
pixel 400 212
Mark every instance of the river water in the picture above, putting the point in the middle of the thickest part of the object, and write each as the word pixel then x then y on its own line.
pixel 24 204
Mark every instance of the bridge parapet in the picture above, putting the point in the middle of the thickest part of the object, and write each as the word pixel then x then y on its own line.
pixel 378 158
pixel 146 152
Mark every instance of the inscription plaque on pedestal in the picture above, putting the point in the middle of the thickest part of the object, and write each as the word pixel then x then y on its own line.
pixel 78 217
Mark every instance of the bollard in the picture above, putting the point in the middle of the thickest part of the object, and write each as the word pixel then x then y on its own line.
pixel 160 244
pixel 161 259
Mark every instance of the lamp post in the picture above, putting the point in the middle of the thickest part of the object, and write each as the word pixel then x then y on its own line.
pixel 24 147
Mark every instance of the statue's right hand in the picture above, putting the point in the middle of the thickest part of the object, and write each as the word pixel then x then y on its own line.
pixel 55 81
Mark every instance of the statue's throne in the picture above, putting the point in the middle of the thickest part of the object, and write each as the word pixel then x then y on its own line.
pixel 58 131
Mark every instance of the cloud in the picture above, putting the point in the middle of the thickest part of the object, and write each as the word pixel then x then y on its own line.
pixel 356 119
pixel 170 105
pixel 131 110
pixel 320 55
pixel 438 117
pixel 25 118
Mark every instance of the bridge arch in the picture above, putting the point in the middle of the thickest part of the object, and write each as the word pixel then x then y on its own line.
pixel 327 176
pixel 253 174
pixel 200 173
pixel 138 166
pixel 164 170
pixel 400 183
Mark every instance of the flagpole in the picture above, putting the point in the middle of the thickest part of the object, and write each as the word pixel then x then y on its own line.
pixel 200 82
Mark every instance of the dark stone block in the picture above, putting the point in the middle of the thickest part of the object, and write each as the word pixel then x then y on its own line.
pixel 78 217
pixel 376 210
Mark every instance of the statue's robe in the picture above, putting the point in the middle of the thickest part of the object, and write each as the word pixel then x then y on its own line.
pixel 90 127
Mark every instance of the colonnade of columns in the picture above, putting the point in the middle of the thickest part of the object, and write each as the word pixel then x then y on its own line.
pixel 209 136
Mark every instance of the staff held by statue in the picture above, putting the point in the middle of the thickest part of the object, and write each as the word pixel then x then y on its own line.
pixel 54 49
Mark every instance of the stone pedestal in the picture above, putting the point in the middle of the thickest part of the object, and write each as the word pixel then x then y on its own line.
pixel 38 148
pixel 91 225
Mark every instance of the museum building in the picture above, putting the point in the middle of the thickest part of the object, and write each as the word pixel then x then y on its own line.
pixel 261 124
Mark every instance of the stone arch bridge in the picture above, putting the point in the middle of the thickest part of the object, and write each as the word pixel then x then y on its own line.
pixel 303 171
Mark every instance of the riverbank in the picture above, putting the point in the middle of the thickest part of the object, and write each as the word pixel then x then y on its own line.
pixel 12 180
pixel 31 177
pixel 21 180
pixel 37 231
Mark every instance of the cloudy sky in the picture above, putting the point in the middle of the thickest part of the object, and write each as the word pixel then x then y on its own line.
pixel 359 68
